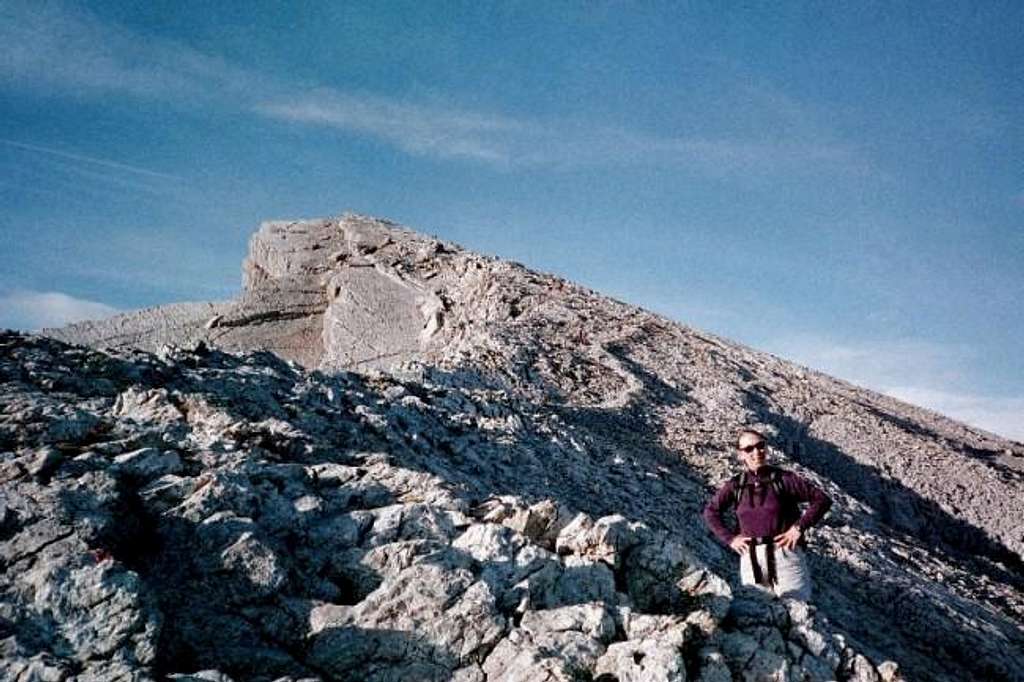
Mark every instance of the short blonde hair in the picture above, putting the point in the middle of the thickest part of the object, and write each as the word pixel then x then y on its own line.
pixel 749 432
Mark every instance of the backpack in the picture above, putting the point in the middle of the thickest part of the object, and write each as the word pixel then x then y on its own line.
pixel 741 482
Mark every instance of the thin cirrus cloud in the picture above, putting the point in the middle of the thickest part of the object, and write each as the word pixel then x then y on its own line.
pixel 503 141
pixel 1001 415
pixel 44 170
pixel 414 129
pixel 932 375
pixel 54 47
pixel 878 364
pixel 89 160
pixel 34 310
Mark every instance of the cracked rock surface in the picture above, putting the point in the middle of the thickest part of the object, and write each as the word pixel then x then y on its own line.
pixel 452 467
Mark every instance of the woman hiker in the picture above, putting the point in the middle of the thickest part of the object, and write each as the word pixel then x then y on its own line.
pixel 770 539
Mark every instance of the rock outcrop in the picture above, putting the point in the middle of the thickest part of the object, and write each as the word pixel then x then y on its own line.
pixel 326 293
pixel 452 467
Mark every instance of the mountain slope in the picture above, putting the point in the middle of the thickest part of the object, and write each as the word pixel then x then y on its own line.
pixel 500 382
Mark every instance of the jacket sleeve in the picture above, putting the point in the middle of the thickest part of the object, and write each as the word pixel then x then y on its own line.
pixel 818 503
pixel 722 500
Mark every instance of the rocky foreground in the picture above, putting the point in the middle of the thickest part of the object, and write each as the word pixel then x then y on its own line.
pixel 451 467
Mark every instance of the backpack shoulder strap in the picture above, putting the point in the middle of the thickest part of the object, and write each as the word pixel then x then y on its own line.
pixel 739 485
pixel 776 482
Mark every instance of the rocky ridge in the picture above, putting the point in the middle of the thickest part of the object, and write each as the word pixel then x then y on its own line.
pixel 238 517
pixel 463 469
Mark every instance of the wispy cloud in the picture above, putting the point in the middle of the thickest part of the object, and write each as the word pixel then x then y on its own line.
pixel 932 375
pixel 413 128
pixel 89 160
pixel 68 50
pixel 39 169
pixel 57 46
pixel 492 138
pixel 877 364
pixel 1004 416
pixel 33 310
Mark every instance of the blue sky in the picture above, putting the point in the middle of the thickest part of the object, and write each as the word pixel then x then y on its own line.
pixel 840 185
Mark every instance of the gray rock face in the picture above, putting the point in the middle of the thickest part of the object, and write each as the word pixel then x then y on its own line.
pixel 515 496
pixel 325 293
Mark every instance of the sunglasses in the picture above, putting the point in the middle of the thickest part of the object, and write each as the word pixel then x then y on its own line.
pixel 753 446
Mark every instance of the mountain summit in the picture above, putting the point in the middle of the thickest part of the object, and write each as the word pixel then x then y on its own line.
pixel 391 458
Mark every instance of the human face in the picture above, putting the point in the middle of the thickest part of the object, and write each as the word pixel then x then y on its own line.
pixel 753 451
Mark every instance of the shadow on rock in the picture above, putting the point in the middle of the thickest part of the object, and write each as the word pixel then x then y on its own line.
pixel 910 608
pixel 896 505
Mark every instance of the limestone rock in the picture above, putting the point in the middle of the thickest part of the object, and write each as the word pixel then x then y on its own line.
pixel 452 467
pixel 646 660
pixel 148 463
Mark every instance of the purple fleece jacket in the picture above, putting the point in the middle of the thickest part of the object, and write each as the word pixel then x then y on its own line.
pixel 763 513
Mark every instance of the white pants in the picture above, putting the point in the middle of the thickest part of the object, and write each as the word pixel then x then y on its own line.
pixel 792 575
